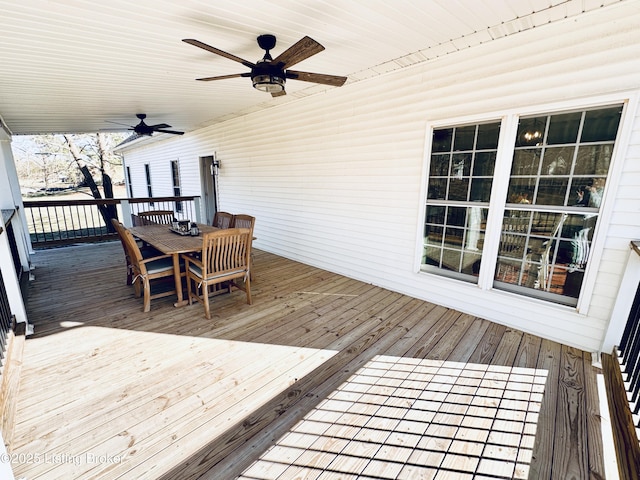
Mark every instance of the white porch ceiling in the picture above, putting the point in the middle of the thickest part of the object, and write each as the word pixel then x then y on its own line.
pixel 76 65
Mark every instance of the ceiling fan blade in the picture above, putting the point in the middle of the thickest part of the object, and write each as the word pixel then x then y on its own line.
pixel 332 80
pixel 224 77
pixel 159 125
pixel 217 51
pixel 174 132
pixel 297 52
pixel 116 123
pixel 278 94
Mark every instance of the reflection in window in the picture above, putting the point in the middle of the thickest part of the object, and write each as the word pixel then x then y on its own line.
pixel 460 180
pixel 558 174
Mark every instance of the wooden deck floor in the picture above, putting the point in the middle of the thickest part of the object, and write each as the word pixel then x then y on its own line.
pixel 323 377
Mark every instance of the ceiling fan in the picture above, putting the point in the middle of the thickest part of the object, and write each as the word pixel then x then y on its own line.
pixel 144 129
pixel 269 74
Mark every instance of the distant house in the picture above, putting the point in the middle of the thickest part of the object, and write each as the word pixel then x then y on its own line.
pixel 463 180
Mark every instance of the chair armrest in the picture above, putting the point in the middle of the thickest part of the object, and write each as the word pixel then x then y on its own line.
pixel 151 259
pixel 191 259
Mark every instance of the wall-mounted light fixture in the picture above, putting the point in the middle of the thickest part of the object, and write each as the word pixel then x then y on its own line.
pixel 215 166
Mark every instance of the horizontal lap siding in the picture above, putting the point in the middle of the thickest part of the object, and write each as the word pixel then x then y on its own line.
pixel 334 179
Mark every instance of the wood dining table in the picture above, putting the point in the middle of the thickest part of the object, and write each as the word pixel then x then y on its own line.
pixel 162 238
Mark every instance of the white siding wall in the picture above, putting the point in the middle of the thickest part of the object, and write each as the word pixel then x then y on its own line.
pixel 10 199
pixel 336 179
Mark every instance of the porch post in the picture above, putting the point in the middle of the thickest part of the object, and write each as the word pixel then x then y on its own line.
pixel 198 206
pixel 126 213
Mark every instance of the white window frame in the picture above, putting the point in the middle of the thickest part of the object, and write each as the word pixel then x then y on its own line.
pixel 497 202
pixel 176 187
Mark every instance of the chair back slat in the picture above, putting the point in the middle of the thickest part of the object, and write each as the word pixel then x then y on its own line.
pixel 243 221
pixel 161 217
pixel 222 220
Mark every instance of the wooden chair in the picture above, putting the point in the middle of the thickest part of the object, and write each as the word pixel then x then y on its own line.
pixel 144 270
pixel 225 257
pixel 120 230
pixel 222 220
pixel 245 221
pixel 162 217
pixel 147 250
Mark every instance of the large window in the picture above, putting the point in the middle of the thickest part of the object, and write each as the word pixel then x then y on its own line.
pixel 558 171
pixel 147 174
pixel 175 178
pixel 460 178
pixel 129 184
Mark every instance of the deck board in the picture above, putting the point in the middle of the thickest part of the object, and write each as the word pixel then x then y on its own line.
pixel 323 376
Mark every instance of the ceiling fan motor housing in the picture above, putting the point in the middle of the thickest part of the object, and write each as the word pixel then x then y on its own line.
pixel 268 77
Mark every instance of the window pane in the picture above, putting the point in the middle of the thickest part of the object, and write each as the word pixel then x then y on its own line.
pixel 433 235
pixel 437 189
pixel 545 224
pixel 464 139
pixel 461 165
pixel 471 263
pixel 564 128
pixel 435 214
pixel 530 131
pixel 451 259
pixel 481 189
pixel 587 192
pixel 442 140
pixel 488 135
pixel 439 165
pixel 457 216
pixel 526 162
pixel 552 191
pixel 515 227
pixel 512 245
pixel 484 164
pixel 509 271
pixel 458 189
pixel 521 190
pixel 432 256
pixel 453 237
pixel 557 161
pixel 593 159
pixel 601 125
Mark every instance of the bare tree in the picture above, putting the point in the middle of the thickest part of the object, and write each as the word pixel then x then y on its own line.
pixel 97 155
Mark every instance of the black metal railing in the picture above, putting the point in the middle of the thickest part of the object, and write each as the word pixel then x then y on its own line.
pixel 60 222
pixel 629 355
pixel 6 318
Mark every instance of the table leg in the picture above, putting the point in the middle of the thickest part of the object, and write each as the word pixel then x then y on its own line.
pixel 178 280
